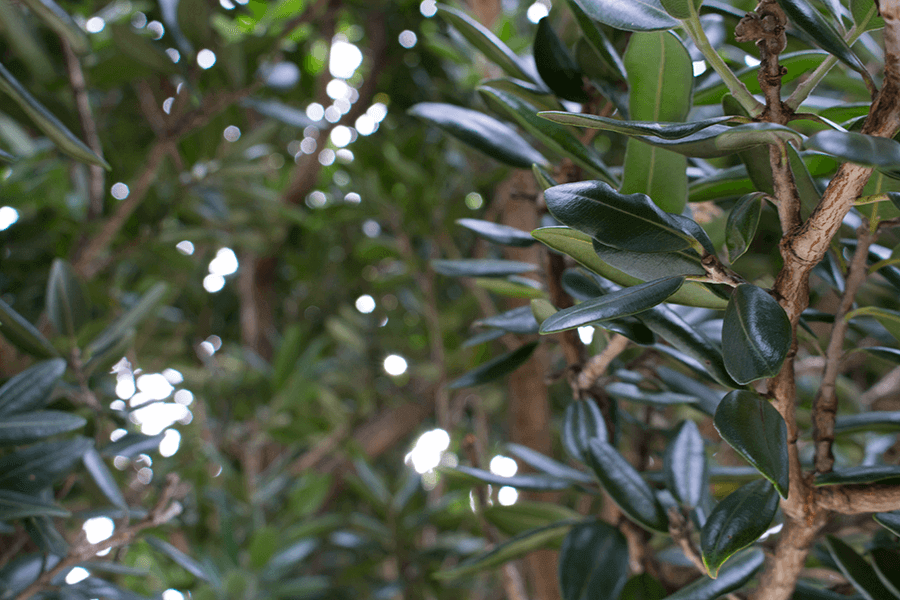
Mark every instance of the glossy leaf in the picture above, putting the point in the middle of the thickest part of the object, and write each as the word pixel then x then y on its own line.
pixel 707 398
pixel 180 558
pixel 647 15
pixel 132 444
pixel 30 389
pixel 23 335
pixel 582 423
pixel 889 520
pixel 142 309
pixel 875 421
pixel 14 505
pixel 660 78
pixel 67 305
pixel 598 40
pixel 736 522
pixel 104 479
pixel 475 267
pixel 555 64
pixel 29 470
pixel 857 570
pixel 511 549
pixel 858 148
pixel 593 562
pixel 626 487
pixel 495 368
pixel 732 577
pixel 889 319
pixel 28 427
pixel 742 223
pixel 647 266
pixel 685 466
pixel 528 481
pixel 887 567
pixel 750 135
pixel 859 475
pixel 755 429
pixel 808 591
pixel 517 320
pixel 495 138
pixel 498 233
pixel 756 335
pixel 625 302
pixel 643 587
pixel 664 130
pixel 547 464
pixel 52 127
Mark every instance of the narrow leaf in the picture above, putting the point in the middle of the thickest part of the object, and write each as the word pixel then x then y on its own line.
pixel 858 148
pixel 859 475
pixel 29 470
pixel 67 304
pixel 141 49
pixel 664 130
pixel 547 464
pixel 740 229
pixel 530 481
pixel 732 577
pixel 593 562
pixel 181 559
pixel 43 532
pixel 889 520
pixel 582 423
pixel 865 15
pixel 132 444
pixel 736 522
pixel 104 479
pixel 647 15
pixel 23 334
pixel 518 320
pixel 142 309
pixel 476 267
pixel 685 466
pixel 555 64
pixel 889 319
pixel 707 398
pixel 875 420
pixel 887 567
pixel 756 335
pixel 525 514
pixel 856 569
pixel 30 389
pixel 28 427
pixel 755 429
pixel 495 368
pixel 14 505
pixel 283 113
pixel 751 135
pixel 632 393
pixel 598 40
pixel 497 233
pixel 60 22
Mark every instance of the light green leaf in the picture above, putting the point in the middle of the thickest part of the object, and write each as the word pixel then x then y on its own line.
pixel 682 9
pixel 865 15
pixel 27 427
pixel 639 15
pixel 31 388
pixel 740 228
pixel 593 562
pixel 756 335
pixel 495 368
pixel 685 465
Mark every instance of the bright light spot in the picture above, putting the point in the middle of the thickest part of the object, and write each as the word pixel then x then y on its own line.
pixel 308 145
pixel 98 529
pixel 771 531
pixel 77 574
pixel 157 29
pixel 352 198
pixel 175 594
pixel 507 496
pixel 699 67
pixel 117 434
pixel 231 134
pixel 172 376
pixel 366 125
pixel 341 178
pixel 344 156
pixel 156 418
pixel 407 38
pixel 586 334
pixel 426 454
pixel 377 111
pixel 225 263
pixel 750 61
pixel 125 386
pixel 138 20
pixel 227 5
pixel 95 25
pixel 145 475
pixel 316 199
pixel 315 111
pixel 474 200
pixel 428 8
pixel 206 349
pixel 332 114
pixel 326 157
pixel 216 341
pixel 503 466
pixel 365 304
pixel 371 228
pixel 206 58
pixel 170 443
pixel 343 106
pixel 341 136
pixel 337 88
pixel 117 405
pixel 185 247
pixel 119 191
pixel 173 54
pixel 8 216
pixel 344 59
pixel 121 462
pixel 184 397
pixel 281 76
pixel 167 105
pixel 155 385
pixel 213 283
pixel 536 12
pixel 395 365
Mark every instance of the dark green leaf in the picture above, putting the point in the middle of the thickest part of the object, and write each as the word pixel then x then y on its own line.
pixel 707 398
pixel 14 505
pixel 556 66
pixel 643 587
pixel 875 420
pixel 43 532
pixel 497 233
pixel 518 320
pixel 513 548
pixel 755 429
pixel 582 423
pixel 279 111
pixel 32 469
pixel 889 319
pixel 664 130
pixel 756 335
pixel 889 520
pixel 741 226
pixel 547 464
pixel 495 138
pixel 887 567
pixel 857 570
pixel 525 514
pixel 28 427
pixel 734 576
pixel 598 40
pixel 749 135
pixel 858 475
pixel 142 309
pixel 646 15
pixel 808 591
pixel 531 481
pixel 736 522
pixel 67 305
pixel 593 562
pixel 626 487
pixel 30 389
pixel 476 267
pixel 104 479
pixel 685 466
pixel 858 148
pixel 495 368
pixel 556 137
pixel 23 334
pixel 60 22
pixel 141 49
pixel 183 560
pixel 625 302
pixel 647 266
pixel 632 393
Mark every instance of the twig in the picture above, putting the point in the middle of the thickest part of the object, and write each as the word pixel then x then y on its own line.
pixel 597 365
pixel 680 529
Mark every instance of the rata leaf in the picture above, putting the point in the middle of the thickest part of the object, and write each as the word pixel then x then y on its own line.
pixel 857 148
pixel 555 64
pixel 646 15
pixel 31 388
pixel 582 423
pixel 740 228
pixel 593 562
pixel 756 335
pixel 732 577
pixel 685 465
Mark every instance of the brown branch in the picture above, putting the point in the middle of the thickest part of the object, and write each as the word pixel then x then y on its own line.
pixel 680 529
pixel 859 499
pixel 597 365
pixel 786 195
pixel 765 26
pixel 825 404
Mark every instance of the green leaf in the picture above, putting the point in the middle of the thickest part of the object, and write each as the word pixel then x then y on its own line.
pixel 865 15
pixel 755 429
pixel 643 15
pixel 495 368
pixel 132 444
pixel 889 520
pixel 104 479
pixel 660 78
pixel 478 267
pixel 555 64
pixel 858 148
pixel 625 302
pixel 181 559
pixel 756 335
pixel 142 309
pixel 31 469
pixel 811 22
pixel 28 427
pixel 582 423
pixel 31 388
pixel 875 420
pixel 887 567
pixel 483 132
pixel 373 482
pixel 632 393
pixel 526 514
pixel 14 505
pixel 530 481
pixel 547 464
pixel 485 41
pixel 648 266
pixel 279 111
pixel 141 49
pixel 682 9
pixel 598 41
pixel 736 522
pixel 858 475
pixel 54 17
pixel 664 130
pixel 497 233
pixel 43 532
pixel 283 561
pixel 23 335
pixel 740 229
pixel 808 591
pixel 796 63
pixel 707 398
pixel 626 487
pixel 511 549
pixel 556 137
pixel 750 135
pixel 685 466
pixel 517 320
pixel 512 287
pixel 889 319
pixel 629 222
pixel 593 562
pixel 67 304
pixel 734 576
pixel 643 587
pixel 856 569
pixel 52 127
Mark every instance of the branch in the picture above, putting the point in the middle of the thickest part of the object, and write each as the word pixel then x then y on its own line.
pixel 597 365
pixel 680 529
pixel 859 499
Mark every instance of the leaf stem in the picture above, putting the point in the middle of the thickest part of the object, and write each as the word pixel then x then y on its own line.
pixel 802 91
